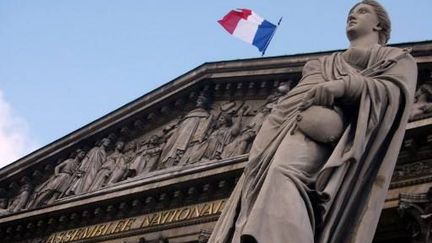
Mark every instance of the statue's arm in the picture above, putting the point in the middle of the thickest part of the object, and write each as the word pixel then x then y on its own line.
pixel 59 167
pixel 323 93
pixel 235 131
pixel 350 88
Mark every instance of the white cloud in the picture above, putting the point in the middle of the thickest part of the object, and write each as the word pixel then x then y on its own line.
pixel 15 141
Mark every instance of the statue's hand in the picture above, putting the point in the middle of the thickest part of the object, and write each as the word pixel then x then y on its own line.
pixel 323 94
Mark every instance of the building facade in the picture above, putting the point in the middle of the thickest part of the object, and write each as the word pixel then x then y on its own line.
pixel 161 168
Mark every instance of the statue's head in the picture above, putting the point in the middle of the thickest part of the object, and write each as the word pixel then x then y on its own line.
pixel 202 101
pixel 154 139
pixel 225 119
pixel 3 203
pixel 105 142
pixel 131 146
pixel 367 16
pixel 80 154
pixel 120 145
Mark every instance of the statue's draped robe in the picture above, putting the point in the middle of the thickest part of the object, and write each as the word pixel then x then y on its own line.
pixel 287 195
pixel 146 160
pixel 191 129
pixel 218 140
pixel 57 183
pixel 90 167
pixel 120 169
pixel 106 170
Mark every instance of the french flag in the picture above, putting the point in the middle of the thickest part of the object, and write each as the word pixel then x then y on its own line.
pixel 249 27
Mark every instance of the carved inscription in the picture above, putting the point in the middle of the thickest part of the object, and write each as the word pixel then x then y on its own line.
pixel 144 221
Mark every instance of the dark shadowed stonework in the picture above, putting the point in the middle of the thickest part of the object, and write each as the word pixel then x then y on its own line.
pixel 161 168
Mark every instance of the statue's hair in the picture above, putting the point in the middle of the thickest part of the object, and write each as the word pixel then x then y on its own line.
pixel 383 18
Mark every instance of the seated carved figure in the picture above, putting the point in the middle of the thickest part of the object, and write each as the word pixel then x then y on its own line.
pixel 295 189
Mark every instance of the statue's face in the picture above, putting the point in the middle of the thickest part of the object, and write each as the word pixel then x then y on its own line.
pixel 153 139
pixel 106 142
pixel 120 145
pixel 200 102
pixel 3 203
pixel 81 154
pixel 130 146
pixel 362 20
pixel 222 121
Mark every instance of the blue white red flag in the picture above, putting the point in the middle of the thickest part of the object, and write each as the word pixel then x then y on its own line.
pixel 249 27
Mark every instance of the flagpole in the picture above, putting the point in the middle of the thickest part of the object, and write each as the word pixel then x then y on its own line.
pixel 271 37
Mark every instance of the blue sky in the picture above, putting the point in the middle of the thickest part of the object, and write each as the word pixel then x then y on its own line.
pixel 64 64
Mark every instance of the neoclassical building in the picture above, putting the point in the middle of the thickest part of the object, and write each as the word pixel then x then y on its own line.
pixel 161 168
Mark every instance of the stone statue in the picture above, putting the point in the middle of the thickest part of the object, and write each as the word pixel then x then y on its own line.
pixel 90 166
pixel 58 183
pixel 295 189
pixel 147 156
pixel 114 160
pixel 422 101
pixel 190 130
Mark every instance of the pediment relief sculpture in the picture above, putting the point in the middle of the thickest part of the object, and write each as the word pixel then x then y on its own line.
pixel 209 131
pixel 422 102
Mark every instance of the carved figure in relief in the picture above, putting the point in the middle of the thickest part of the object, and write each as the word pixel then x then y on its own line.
pixel 297 189
pixel 190 130
pixel 121 168
pixel 212 147
pixel 147 156
pixel 114 160
pixel 20 201
pixel 4 206
pixel 422 101
pixel 225 132
pixel 242 142
pixel 58 183
pixel 90 166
